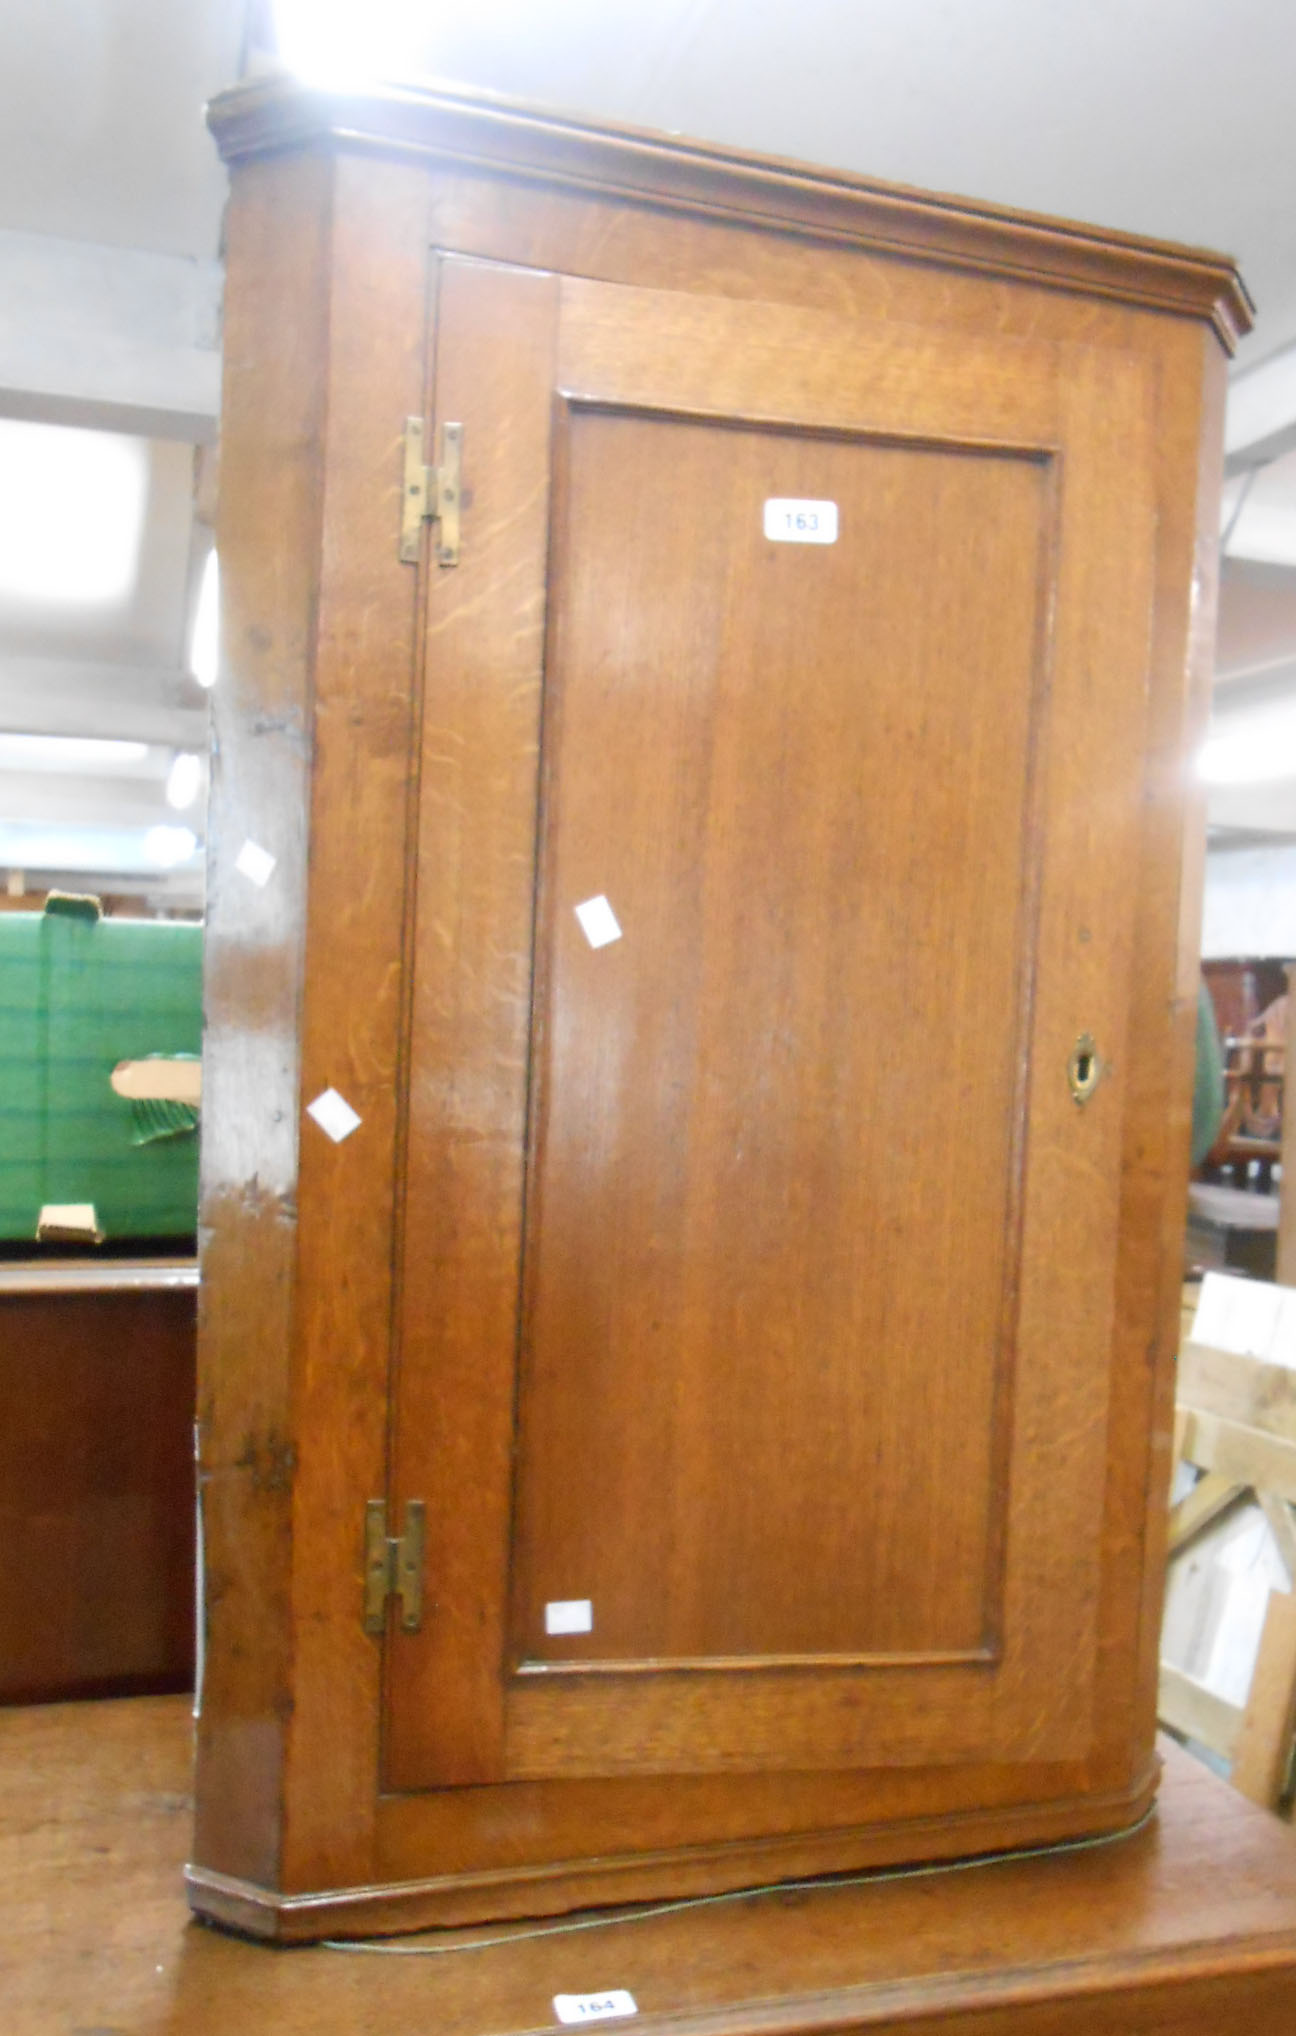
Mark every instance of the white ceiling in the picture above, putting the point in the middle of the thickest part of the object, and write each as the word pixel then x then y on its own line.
pixel 1168 117
pixel 98 655
pixel 102 135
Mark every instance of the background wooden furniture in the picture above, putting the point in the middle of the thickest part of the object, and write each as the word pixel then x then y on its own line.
pixel 1235 1420
pixel 1186 1929
pixel 787 1505
pixel 1286 1270
pixel 96 1477
pixel 1254 1077
pixel 1238 1226
pixel 1241 989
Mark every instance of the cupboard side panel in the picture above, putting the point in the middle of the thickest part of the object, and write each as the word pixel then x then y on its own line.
pixel 1190 440
pixel 268 535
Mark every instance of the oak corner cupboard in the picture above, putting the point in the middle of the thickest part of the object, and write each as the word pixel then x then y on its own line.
pixel 700 1003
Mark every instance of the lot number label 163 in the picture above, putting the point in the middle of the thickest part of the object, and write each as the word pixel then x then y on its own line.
pixel 789 522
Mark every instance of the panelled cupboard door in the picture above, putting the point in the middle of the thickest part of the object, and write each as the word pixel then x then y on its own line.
pixel 781 764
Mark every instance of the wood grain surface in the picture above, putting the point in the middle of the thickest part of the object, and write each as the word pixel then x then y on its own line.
pixel 760 1268
pixel 96 1486
pixel 253 968
pixel 362 1317
pixel 1187 1929
pixel 470 995
pixel 733 734
pixel 315 712
pixel 558 151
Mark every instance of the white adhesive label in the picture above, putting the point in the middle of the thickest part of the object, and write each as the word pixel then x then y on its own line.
pixel 598 921
pixel 254 863
pixel 69 1220
pixel 334 1115
pixel 792 522
pixel 594 2007
pixel 569 1615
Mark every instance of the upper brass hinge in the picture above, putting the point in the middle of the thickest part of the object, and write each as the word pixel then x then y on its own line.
pixel 394 1568
pixel 431 494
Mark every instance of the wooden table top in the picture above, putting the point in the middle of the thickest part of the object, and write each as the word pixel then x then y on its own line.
pixel 1188 1927
pixel 97 1275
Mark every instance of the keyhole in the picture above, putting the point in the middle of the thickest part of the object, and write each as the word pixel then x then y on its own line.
pixel 1083 1068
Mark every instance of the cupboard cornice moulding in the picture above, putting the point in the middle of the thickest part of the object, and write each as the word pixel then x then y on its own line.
pixel 448 123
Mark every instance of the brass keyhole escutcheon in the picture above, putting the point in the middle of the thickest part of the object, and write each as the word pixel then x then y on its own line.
pixel 1084 1069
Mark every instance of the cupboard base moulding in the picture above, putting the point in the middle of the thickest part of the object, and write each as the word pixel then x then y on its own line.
pixel 544 1890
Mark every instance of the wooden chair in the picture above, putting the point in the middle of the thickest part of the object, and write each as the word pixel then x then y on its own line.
pixel 1254 1068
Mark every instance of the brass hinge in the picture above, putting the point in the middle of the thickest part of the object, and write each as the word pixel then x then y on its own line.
pixel 394 1568
pixel 431 495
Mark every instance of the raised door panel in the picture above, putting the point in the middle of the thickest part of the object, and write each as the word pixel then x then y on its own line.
pixel 751 1242
pixel 758 1263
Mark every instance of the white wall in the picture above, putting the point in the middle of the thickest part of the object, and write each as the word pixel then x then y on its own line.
pixel 1250 906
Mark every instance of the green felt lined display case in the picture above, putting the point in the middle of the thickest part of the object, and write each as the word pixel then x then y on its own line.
pixel 78 995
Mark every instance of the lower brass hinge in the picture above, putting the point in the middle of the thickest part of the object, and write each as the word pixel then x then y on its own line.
pixel 431 494
pixel 394 1568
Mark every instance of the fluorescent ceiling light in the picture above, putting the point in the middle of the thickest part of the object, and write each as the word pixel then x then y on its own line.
pixel 94 852
pixel 82 753
pixel 1251 746
pixel 71 514
pixel 167 846
pixel 183 780
pixel 344 42
pixel 204 644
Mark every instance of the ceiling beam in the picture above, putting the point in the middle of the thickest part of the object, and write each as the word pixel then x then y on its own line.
pixel 52 799
pixel 1262 531
pixel 1254 810
pixel 1260 421
pixel 127 703
pixel 111 337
